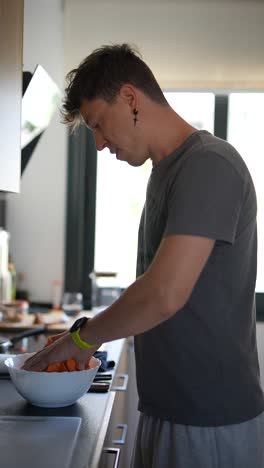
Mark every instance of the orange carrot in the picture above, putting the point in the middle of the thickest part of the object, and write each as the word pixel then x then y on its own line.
pixel 71 365
pixel 56 367
pixel 67 366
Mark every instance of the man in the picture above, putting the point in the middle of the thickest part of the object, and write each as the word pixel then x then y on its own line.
pixel 192 308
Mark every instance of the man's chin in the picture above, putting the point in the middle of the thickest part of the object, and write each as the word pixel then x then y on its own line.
pixel 119 156
pixel 132 161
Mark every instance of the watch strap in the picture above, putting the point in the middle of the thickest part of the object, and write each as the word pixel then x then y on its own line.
pixel 79 323
pixel 79 342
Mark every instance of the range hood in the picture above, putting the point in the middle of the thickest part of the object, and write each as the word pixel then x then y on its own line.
pixel 41 98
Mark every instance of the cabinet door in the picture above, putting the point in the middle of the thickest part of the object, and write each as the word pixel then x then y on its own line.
pixel 11 46
pixel 124 418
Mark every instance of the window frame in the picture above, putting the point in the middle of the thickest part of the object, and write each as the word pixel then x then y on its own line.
pixel 80 207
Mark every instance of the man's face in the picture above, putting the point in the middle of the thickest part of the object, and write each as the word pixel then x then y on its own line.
pixel 113 128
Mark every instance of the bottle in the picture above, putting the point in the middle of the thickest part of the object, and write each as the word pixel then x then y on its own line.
pixel 4 246
pixel 56 294
pixel 7 287
pixel 12 271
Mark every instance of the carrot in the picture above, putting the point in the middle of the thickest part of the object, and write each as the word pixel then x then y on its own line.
pixel 57 367
pixel 71 365
pixel 67 366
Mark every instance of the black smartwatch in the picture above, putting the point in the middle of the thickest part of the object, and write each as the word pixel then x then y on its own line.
pixel 78 324
pixel 75 334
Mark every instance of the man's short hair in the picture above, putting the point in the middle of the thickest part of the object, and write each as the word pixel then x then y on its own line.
pixel 101 75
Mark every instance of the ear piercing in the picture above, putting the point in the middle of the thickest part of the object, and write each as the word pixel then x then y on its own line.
pixel 135 112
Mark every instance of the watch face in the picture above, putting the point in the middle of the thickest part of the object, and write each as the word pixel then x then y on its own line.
pixel 78 324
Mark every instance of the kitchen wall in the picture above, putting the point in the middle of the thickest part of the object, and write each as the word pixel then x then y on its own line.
pixel 188 43
pixel 36 216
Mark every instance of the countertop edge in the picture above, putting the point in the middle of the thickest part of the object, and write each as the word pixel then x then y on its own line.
pixel 101 437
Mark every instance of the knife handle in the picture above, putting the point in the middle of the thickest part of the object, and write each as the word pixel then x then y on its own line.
pixel 102 377
pixel 99 387
pixel 28 333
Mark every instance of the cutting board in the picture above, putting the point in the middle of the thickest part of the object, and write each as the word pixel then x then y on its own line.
pixel 53 319
pixel 32 441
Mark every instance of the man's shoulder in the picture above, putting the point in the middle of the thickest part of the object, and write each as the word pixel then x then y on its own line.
pixel 208 147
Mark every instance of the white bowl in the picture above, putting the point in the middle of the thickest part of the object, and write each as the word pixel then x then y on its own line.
pixel 50 389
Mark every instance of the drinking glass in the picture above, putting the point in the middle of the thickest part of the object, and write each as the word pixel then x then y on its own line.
pixel 72 303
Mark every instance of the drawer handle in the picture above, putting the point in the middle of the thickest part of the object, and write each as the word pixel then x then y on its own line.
pixel 124 434
pixel 124 386
pixel 116 451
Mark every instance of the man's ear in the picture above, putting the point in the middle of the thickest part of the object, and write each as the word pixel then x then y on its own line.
pixel 129 94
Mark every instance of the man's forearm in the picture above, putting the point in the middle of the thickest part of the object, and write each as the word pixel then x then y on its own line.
pixel 138 309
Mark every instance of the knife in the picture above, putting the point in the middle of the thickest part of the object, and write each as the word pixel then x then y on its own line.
pixel 99 387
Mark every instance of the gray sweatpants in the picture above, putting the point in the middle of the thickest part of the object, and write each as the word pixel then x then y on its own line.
pixel 161 444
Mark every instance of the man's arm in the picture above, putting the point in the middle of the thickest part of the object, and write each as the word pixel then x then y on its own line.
pixel 156 295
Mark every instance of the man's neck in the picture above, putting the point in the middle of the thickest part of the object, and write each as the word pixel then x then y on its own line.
pixel 173 132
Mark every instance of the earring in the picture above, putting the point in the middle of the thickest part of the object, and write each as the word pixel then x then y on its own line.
pixel 135 112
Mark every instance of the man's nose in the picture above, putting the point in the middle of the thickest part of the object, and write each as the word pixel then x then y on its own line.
pixel 100 141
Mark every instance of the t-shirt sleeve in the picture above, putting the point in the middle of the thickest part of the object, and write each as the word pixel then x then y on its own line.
pixel 205 198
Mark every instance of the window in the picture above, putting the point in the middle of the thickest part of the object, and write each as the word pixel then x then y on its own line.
pixel 120 199
pixel 245 133
pixel 195 108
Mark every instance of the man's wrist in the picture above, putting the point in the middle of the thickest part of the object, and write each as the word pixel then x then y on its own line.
pixel 82 344
pixel 78 340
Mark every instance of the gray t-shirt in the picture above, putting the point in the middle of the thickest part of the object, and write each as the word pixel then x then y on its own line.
pixel 200 367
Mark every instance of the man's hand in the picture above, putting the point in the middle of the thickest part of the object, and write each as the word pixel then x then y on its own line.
pixel 61 349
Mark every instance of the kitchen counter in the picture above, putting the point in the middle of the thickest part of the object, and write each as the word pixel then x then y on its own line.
pixel 94 409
